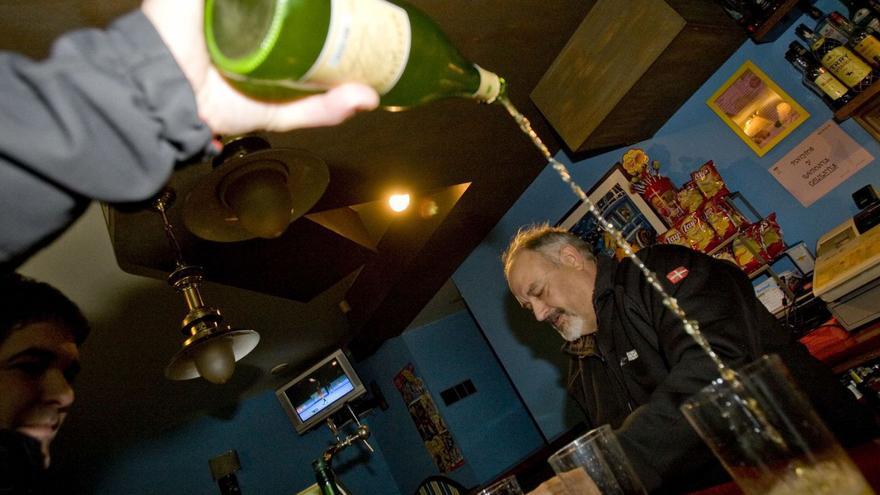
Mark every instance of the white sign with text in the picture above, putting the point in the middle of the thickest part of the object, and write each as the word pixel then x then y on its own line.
pixel 822 161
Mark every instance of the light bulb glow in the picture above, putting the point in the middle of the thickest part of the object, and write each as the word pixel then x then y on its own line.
pixel 398 202
pixel 215 360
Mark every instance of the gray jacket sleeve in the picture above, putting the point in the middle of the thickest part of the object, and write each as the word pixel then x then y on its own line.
pixel 105 117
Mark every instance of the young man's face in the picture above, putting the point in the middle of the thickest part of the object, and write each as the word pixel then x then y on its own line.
pixel 37 364
pixel 560 293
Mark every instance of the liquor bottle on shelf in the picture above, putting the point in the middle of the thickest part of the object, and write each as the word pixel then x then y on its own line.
pixel 863 13
pixel 860 40
pixel 281 50
pixel 833 92
pixel 824 26
pixel 840 60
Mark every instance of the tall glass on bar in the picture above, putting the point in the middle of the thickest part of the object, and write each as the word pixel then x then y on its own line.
pixel 766 434
pixel 594 463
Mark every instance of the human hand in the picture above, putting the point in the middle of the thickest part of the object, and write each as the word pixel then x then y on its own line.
pixel 553 486
pixel 577 479
pixel 223 108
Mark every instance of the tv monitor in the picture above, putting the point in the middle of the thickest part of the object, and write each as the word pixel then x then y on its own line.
pixel 320 391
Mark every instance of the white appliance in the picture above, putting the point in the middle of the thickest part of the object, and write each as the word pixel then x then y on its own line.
pixel 847 274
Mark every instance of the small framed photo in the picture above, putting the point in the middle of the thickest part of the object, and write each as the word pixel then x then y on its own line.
pixel 618 204
pixel 757 110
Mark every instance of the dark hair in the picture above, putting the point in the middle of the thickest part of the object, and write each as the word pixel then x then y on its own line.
pixel 24 301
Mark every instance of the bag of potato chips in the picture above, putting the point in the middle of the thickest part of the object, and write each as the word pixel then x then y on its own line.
pixel 698 232
pixel 747 249
pixel 709 181
pixel 717 213
pixel 673 236
pixel 689 197
pixel 771 236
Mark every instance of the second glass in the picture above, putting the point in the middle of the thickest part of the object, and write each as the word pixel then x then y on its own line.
pixel 594 463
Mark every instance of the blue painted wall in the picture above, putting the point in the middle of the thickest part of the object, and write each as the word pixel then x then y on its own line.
pixel 274 459
pixel 691 137
pixel 492 427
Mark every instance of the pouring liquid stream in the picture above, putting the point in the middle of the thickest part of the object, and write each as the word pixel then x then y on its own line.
pixel 691 327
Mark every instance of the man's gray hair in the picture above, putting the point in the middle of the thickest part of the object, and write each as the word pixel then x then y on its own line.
pixel 544 239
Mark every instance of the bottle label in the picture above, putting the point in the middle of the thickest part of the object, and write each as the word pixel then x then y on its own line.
pixel 490 86
pixel 844 64
pixel 368 41
pixel 830 85
pixel 869 47
pixel 827 30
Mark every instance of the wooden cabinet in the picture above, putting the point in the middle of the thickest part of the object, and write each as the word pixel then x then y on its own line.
pixel 629 66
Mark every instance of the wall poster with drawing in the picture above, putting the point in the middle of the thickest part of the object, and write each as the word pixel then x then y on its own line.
pixel 618 204
pixel 431 426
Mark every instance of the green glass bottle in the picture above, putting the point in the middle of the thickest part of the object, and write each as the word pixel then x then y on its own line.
pixel 843 63
pixel 326 478
pixel 285 49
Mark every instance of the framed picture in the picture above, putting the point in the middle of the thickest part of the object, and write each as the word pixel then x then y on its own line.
pixel 626 210
pixel 757 110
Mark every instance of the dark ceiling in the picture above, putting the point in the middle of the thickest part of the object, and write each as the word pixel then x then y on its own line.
pixel 294 284
pixel 424 150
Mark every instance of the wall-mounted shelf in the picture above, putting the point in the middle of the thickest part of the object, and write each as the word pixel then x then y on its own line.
pixel 761 32
pixel 863 101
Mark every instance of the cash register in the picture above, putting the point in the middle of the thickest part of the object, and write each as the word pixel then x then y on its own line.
pixel 847 271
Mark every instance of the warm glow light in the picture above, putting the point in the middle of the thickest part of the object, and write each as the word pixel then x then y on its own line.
pixel 398 202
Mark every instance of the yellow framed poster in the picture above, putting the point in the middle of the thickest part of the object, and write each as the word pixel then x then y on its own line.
pixel 757 110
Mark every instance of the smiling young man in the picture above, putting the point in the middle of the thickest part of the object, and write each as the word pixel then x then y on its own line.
pixel 40 330
pixel 632 364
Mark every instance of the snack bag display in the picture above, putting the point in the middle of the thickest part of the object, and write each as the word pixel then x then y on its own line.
pixel 661 194
pixel 747 249
pixel 771 236
pixel 709 181
pixel 673 236
pixel 689 197
pixel 726 254
pixel 717 212
pixel 698 233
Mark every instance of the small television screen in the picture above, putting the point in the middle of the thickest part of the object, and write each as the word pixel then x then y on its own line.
pixel 319 392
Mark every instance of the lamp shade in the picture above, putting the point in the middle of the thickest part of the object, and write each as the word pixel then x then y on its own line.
pixel 211 354
pixel 254 191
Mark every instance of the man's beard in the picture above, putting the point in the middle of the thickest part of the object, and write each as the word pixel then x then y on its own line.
pixel 574 328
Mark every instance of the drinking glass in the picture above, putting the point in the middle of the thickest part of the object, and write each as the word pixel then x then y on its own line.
pixel 594 463
pixel 769 438
pixel 506 486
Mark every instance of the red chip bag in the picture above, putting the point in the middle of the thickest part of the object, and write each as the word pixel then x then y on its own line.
pixel 709 181
pixel 771 236
pixel 716 211
pixel 698 232
pixel 673 236
pixel 747 249
pixel 689 197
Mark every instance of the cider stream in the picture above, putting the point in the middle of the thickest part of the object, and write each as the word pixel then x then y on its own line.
pixel 692 327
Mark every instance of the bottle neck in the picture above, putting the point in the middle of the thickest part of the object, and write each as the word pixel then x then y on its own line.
pixel 491 86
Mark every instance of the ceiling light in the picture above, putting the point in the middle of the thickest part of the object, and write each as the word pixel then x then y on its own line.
pixel 399 202
pixel 212 347
pixel 254 191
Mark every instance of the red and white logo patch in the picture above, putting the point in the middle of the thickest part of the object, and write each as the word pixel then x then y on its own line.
pixel 677 275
